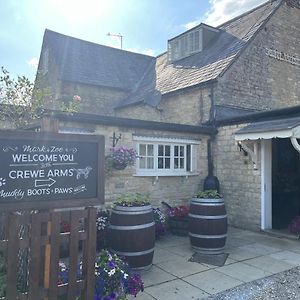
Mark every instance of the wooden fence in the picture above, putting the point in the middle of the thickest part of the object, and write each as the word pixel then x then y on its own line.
pixel 36 240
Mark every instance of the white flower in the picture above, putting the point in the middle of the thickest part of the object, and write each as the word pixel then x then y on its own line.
pixel 125 275
pixel 111 272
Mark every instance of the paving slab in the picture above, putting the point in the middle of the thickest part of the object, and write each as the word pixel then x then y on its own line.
pixel 176 290
pixel 240 254
pixel 243 272
pixel 182 267
pixel 140 296
pixel 260 249
pixel 212 282
pixel 171 240
pixel 184 250
pixel 163 255
pixel 269 264
pixel 232 242
pixel 288 257
pixel 155 275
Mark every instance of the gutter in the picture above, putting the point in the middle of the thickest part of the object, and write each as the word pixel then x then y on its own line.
pixel 135 123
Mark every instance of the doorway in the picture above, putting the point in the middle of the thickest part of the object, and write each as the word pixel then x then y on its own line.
pixel 285 184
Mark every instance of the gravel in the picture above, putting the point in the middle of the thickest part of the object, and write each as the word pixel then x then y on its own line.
pixel 283 286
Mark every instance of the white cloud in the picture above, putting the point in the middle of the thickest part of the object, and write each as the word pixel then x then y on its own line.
pixel 221 11
pixel 224 10
pixel 191 24
pixel 33 62
pixel 149 52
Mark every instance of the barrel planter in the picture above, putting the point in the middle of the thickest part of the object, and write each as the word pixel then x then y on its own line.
pixel 179 226
pixel 207 225
pixel 132 234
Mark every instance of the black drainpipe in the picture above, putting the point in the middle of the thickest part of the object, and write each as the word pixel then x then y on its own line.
pixel 211 182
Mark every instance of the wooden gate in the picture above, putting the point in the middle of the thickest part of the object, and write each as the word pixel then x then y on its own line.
pixel 36 239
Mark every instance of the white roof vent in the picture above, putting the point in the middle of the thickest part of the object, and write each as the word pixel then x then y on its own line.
pixel 190 42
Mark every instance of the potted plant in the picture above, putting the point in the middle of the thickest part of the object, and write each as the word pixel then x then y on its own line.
pixel 160 223
pixel 178 219
pixel 132 229
pixel 208 222
pixel 121 157
pixel 102 224
pixel 114 278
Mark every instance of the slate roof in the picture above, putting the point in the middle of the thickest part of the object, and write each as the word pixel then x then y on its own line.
pixel 271 125
pixel 89 63
pixel 163 77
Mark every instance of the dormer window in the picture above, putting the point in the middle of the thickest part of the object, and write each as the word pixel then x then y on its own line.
pixel 190 42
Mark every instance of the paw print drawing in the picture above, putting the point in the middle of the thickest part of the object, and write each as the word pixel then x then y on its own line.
pixel 2 181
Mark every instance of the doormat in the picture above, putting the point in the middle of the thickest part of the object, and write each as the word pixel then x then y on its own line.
pixel 210 259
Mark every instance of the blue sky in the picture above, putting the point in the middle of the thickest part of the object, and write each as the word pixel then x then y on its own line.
pixel 146 25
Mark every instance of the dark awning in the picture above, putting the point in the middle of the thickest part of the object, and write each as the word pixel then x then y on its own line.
pixel 280 128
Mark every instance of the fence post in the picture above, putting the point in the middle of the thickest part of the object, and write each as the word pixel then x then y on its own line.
pixel 90 255
pixel 12 254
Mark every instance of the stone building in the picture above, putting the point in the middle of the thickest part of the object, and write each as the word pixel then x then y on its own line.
pixel 234 88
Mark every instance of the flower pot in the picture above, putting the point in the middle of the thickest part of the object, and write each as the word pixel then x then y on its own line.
pixel 132 234
pixel 179 225
pixel 207 225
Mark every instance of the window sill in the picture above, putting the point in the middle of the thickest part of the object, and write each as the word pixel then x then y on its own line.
pixel 164 175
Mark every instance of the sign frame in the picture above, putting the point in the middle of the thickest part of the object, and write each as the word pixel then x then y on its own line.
pixel 36 137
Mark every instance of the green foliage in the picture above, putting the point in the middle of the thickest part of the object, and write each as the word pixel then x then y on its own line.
pixel 21 103
pixel 70 105
pixel 2 276
pixel 135 199
pixel 209 194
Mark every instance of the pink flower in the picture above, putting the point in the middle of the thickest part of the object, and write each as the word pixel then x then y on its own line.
pixel 76 98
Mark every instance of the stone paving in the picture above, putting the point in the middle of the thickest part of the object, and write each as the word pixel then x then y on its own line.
pixel 251 256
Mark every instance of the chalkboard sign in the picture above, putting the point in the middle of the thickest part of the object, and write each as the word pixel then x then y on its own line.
pixel 46 170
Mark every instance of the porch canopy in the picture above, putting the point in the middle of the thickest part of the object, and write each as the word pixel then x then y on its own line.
pixel 279 128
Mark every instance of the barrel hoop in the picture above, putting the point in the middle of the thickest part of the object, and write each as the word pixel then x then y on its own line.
pixel 208 249
pixel 133 253
pixel 208 217
pixel 119 212
pixel 207 204
pixel 204 200
pixel 132 227
pixel 132 208
pixel 204 236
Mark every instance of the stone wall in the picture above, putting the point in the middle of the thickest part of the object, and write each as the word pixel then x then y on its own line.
pixel 259 81
pixel 239 182
pixel 190 107
pixel 176 189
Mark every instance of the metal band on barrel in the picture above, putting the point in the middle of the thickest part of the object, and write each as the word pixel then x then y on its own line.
pixel 133 253
pixel 203 236
pixel 208 217
pixel 132 227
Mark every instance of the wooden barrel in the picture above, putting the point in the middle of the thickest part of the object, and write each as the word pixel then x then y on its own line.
pixel 207 225
pixel 132 234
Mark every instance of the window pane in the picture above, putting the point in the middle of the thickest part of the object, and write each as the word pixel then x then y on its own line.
pixel 188 157
pixel 142 149
pixel 150 150
pixel 175 163
pixel 167 150
pixel 142 163
pixel 181 150
pixel 175 150
pixel 160 150
pixel 167 163
pixel 181 163
pixel 160 163
pixel 150 163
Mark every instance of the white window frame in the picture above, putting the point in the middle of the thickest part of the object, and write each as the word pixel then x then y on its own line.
pixel 172 142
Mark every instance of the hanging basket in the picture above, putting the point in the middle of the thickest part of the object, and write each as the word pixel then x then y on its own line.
pixel 119 166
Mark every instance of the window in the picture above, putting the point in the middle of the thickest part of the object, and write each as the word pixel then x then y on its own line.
pixel 166 157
